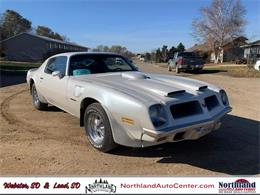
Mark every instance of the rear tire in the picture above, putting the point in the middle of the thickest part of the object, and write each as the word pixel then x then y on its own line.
pixel 98 129
pixel 36 101
pixel 177 69
pixel 198 70
pixel 169 69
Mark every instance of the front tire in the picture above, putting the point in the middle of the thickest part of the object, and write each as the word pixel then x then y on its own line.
pixel 36 101
pixel 169 68
pixel 98 129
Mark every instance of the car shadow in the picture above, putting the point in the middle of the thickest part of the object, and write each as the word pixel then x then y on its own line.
pixel 53 109
pixel 233 149
pixel 205 71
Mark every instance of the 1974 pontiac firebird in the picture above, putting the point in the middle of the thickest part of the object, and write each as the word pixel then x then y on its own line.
pixel 117 104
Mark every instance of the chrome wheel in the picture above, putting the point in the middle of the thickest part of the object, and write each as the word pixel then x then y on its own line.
pixel 35 95
pixel 36 100
pixel 96 127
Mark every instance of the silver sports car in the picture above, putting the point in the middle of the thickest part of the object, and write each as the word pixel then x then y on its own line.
pixel 117 104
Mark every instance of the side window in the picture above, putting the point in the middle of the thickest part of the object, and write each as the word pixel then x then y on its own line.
pixel 56 64
pixel 61 63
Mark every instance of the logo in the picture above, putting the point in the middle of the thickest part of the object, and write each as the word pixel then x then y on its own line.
pixel 239 186
pixel 101 186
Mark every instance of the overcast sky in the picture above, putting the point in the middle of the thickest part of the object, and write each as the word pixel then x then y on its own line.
pixel 138 25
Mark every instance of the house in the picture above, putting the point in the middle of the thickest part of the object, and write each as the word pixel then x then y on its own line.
pixel 202 49
pixel 252 51
pixel 141 57
pixel 231 50
pixel 31 47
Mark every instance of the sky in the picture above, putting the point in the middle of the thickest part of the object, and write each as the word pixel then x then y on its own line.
pixel 139 25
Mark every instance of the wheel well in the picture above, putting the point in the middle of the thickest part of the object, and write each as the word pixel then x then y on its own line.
pixel 31 83
pixel 83 105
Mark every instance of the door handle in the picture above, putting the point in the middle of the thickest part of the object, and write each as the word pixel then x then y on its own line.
pixel 41 78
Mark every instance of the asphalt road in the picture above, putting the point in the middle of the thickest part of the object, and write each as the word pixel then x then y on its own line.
pixel 52 143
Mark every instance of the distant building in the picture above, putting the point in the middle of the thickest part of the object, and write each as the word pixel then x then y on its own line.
pixel 31 47
pixel 231 50
pixel 141 57
pixel 252 51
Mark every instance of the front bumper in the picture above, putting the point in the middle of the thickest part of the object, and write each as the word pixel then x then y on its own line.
pixel 189 131
pixel 191 67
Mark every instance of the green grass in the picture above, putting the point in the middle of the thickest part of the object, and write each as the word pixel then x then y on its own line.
pixel 17 66
pixel 235 71
pixel 227 69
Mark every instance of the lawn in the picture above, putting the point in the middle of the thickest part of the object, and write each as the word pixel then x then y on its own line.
pixel 227 69
pixel 235 71
pixel 17 66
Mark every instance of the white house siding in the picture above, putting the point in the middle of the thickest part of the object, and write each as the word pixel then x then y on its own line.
pixel 252 54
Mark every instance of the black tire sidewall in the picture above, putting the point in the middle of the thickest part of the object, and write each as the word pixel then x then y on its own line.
pixel 38 105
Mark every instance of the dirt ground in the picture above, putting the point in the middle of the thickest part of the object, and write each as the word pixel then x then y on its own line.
pixel 52 143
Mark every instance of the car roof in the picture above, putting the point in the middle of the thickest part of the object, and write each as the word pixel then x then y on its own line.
pixel 69 54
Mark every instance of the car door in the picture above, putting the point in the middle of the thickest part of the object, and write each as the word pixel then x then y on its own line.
pixel 54 86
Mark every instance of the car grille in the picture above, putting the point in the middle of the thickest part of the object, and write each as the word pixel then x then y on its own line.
pixel 185 109
pixel 211 102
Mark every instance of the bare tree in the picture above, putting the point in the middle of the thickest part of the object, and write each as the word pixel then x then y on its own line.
pixel 12 23
pixel 47 32
pixel 222 20
pixel 103 48
pixel 164 53
pixel 115 49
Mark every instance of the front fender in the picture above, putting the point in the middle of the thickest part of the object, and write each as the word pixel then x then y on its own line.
pixel 127 115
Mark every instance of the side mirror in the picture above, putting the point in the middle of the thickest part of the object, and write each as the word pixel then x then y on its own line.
pixel 57 73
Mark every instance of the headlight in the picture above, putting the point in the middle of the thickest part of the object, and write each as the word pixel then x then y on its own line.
pixel 158 115
pixel 224 97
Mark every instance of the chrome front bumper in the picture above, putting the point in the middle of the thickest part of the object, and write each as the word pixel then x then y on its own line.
pixel 188 131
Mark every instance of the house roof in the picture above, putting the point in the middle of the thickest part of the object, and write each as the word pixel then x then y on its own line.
pixel 47 39
pixel 230 40
pixel 204 47
pixel 199 48
pixel 252 44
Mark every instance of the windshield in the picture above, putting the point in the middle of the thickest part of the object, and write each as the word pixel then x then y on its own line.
pixel 98 63
pixel 189 54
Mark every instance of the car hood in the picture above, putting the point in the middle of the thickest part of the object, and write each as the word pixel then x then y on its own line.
pixel 148 85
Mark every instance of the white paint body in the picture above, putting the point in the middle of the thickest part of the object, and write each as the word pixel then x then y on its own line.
pixel 130 95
